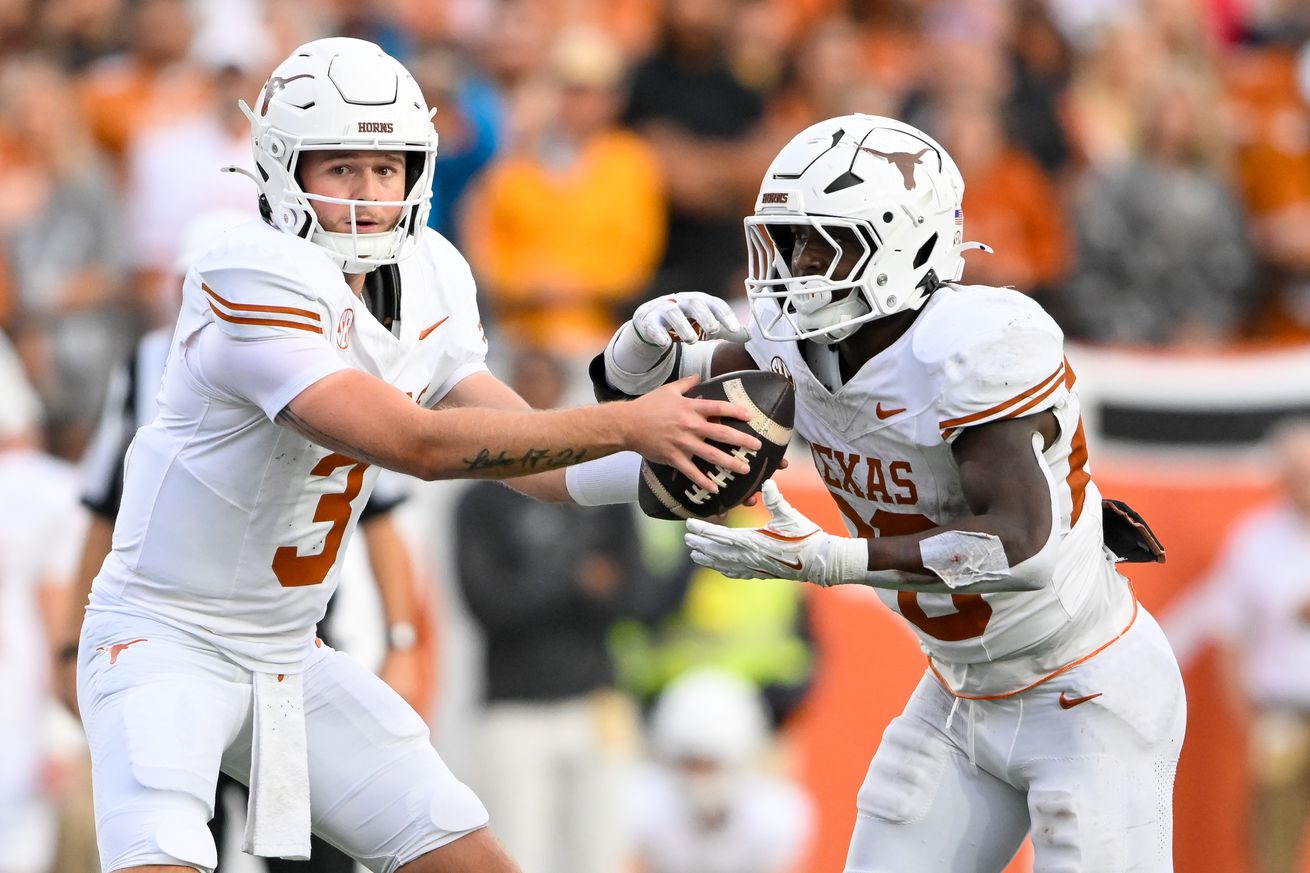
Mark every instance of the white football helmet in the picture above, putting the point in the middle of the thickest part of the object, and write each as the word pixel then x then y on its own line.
pixel 709 726
pixel 711 715
pixel 342 94
pixel 865 181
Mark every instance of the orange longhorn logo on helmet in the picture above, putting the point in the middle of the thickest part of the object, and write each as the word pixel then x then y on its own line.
pixel 274 85
pixel 903 161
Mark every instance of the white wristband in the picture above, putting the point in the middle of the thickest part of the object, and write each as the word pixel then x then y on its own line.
pixel 846 563
pixel 607 480
pixel 402 636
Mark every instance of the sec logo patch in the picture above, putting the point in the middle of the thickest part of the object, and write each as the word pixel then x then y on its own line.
pixel 344 324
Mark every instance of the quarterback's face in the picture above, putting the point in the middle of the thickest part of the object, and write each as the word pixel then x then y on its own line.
pixel 363 175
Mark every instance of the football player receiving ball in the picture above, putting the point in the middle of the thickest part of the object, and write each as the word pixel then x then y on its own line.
pixel 942 418
pixel 336 335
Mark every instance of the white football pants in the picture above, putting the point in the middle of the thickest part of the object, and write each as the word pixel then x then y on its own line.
pixel 164 711
pixel 1085 761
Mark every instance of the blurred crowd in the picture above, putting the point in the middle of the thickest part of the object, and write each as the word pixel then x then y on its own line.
pixel 1141 167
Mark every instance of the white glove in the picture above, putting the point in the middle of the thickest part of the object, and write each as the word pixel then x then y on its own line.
pixel 790 546
pixel 691 317
pixel 687 318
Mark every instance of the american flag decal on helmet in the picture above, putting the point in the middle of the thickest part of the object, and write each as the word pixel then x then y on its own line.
pixel 959 217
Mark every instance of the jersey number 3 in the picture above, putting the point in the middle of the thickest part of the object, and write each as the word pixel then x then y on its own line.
pixel 294 569
pixel 972 612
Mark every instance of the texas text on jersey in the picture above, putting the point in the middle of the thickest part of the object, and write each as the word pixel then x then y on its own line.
pixel 882 444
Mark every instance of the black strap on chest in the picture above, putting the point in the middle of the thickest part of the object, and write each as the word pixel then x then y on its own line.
pixel 382 295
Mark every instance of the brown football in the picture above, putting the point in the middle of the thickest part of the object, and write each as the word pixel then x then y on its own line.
pixel 664 492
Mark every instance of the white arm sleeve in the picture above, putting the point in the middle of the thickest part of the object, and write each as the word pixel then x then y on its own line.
pixel 605 481
pixel 267 372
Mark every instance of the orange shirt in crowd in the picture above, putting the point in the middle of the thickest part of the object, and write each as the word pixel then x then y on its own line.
pixel 1012 206
pixel 121 98
pixel 555 251
pixel 1270 125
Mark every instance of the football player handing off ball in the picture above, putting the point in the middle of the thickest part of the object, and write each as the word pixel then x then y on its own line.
pixel 943 419
pixel 336 335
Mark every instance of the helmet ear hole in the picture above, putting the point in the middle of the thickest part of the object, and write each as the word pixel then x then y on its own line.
pixel 925 251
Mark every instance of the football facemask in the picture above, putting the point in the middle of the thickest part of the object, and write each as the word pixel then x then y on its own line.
pixel 812 268
pixel 345 95
pixel 884 187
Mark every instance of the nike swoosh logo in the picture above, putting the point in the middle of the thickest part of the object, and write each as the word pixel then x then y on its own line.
pixel 1067 702
pixel 887 413
pixel 423 334
pixel 795 565
pixel 785 538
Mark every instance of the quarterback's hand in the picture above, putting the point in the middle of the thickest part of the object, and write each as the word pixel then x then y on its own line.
pixel 688 317
pixel 790 546
pixel 667 427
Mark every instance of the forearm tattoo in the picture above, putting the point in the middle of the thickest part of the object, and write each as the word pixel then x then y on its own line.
pixel 486 460
pixel 531 461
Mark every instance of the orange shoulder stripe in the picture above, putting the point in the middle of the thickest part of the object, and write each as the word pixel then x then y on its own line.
pixel 966 419
pixel 1036 400
pixel 271 322
pixel 250 307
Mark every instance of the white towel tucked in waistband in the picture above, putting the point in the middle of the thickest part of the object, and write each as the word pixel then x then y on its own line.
pixel 277 819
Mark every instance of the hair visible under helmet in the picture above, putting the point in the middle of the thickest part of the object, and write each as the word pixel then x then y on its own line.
pixel 342 94
pixel 886 185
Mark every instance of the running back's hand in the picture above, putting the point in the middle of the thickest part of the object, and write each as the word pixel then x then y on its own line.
pixel 790 546
pixel 688 317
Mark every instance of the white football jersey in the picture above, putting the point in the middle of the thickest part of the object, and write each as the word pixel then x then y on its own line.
pixel 232 526
pixel 882 444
